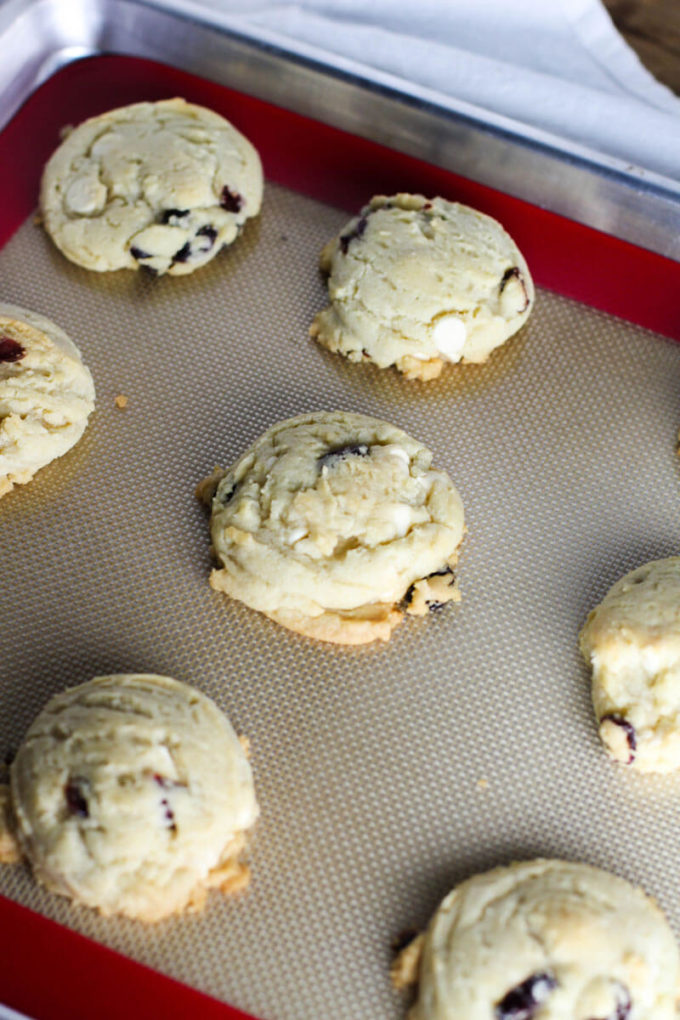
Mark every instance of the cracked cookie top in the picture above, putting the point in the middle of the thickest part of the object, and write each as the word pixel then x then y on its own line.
pixel 162 185
pixel 547 940
pixel 131 794
pixel 334 524
pixel 46 394
pixel 416 282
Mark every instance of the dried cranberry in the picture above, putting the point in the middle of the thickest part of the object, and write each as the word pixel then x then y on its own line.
pixel 231 200
pixel 514 274
pixel 628 729
pixel 183 254
pixel 509 274
pixel 169 816
pixel 358 231
pixel 522 1001
pixel 431 604
pixel 622 1006
pixel 331 458
pixel 209 234
pixel 10 350
pixel 173 214
pixel 225 497
pixel 74 791
pixel 168 813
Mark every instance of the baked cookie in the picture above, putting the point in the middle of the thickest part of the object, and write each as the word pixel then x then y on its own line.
pixel 416 282
pixel 163 185
pixel 544 939
pixel 46 394
pixel 334 524
pixel 632 643
pixel 131 794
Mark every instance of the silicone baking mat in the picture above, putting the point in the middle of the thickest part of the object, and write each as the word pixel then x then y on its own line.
pixel 385 773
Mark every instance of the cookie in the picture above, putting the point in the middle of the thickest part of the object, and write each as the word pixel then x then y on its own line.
pixel 46 394
pixel 334 525
pixel 131 794
pixel 545 939
pixel 416 283
pixel 163 185
pixel 631 640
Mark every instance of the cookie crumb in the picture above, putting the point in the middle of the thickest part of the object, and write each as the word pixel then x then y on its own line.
pixel 206 489
pixel 404 969
pixel 121 400
pixel 38 219
pixel 482 784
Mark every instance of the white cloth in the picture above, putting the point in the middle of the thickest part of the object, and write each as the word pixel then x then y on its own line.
pixel 558 66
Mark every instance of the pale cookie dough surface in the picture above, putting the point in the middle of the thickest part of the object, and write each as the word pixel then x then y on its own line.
pixel 416 283
pixel 164 185
pixel 46 394
pixel 334 524
pixel 631 641
pixel 132 794
pixel 547 940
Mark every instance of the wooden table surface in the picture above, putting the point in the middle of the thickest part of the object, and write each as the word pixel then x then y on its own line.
pixel 652 29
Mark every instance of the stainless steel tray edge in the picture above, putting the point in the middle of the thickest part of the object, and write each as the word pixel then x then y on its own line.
pixel 39 36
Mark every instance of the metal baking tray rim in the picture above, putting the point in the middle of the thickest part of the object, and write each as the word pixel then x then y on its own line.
pixel 607 194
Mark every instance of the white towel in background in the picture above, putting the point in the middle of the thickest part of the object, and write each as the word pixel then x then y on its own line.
pixel 555 65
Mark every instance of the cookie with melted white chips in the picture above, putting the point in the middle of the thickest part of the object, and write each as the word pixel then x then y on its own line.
pixel 334 525
pixel 46 394
pixel 631 641
pixel 130 794
pixel 416 283
pixel 162 185
pixel 544 939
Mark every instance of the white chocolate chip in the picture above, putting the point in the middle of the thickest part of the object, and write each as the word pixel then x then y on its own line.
pixel 401 516
pixel 86 195
pixel 296 534
pixel 449 335
pixel 398 451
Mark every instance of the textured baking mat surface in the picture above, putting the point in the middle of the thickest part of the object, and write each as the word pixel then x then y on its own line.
pixel 385 773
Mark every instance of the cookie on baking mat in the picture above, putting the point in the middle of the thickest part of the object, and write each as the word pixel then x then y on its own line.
pixel 46 394
pixel 631 641
pixel 131 794
pixel 164 185
pixel 544 939
pixel 416 282
pixel 334 524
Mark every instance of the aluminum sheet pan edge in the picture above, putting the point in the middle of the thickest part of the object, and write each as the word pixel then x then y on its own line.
pixel 368 761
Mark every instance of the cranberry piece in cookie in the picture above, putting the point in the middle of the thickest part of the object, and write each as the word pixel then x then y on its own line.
pixel 156 803
pixel 522 1001
pixel 145 186
pixel 328 520
pixel 543 939
pixel 10 350
pixel 416 283
pixel 631 641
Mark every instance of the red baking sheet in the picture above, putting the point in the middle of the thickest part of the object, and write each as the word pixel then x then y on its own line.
pixel 47 970
pixel 342 169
